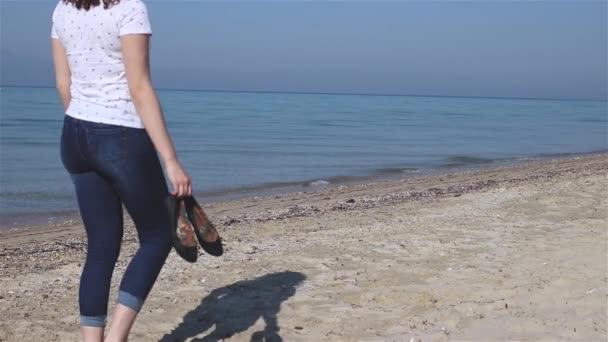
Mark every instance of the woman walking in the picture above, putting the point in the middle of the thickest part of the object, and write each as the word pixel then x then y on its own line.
pixel 112 131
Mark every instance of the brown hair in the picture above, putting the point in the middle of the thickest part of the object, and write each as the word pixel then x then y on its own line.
pixel 87 4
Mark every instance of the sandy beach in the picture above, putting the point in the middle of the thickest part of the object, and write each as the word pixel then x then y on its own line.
pixel 511 253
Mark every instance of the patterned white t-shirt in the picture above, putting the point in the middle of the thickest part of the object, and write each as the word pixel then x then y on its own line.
pixel 99 89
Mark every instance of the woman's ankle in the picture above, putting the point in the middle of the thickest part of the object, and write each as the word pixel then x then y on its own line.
pixel 91 334
pixel 121 324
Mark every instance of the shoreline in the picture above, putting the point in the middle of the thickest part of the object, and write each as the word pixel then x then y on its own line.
pixel 509 253
pixel 60 217
pixel 69 235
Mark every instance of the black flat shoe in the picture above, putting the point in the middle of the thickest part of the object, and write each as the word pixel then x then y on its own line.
pixel 205 231
pixel 182 233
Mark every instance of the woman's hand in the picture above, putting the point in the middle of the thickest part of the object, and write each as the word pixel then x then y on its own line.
pixel 179 178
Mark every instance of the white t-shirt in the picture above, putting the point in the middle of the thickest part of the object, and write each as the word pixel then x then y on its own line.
pixel 99 89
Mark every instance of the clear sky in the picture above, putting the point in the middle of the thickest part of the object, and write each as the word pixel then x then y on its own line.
pixel 544 49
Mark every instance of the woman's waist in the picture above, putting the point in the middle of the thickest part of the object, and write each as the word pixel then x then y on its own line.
pixel 123 115
pixel 92 104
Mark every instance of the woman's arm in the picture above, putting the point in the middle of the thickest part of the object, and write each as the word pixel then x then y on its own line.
pixel 62 73
pixel 135 51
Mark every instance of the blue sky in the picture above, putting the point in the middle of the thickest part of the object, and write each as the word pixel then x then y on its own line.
pixel 541 49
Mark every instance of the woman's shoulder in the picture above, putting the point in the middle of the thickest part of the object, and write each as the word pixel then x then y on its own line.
pixel 133 17
pixel 59 9
pixel 60 4
pixel 132 4
pixel 131 7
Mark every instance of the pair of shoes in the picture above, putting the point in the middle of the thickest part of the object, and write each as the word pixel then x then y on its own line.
pixel 188 220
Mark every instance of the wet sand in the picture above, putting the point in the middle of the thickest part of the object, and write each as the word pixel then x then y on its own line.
pixel 513 253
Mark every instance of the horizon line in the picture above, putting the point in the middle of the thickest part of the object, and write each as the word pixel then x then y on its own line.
pixel 343 94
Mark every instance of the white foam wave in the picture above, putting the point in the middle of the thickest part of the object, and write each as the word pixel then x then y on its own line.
pixel 320 182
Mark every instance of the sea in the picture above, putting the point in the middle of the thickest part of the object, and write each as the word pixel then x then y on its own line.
pixel 245 144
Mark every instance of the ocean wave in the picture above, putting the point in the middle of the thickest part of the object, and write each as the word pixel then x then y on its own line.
pixel 600 120
pixel 410 170
pixel 395 170
pixel 320 182
pixel 464 160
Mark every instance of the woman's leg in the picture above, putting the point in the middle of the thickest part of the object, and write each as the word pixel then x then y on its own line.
pixel 140 182
pixel 101 212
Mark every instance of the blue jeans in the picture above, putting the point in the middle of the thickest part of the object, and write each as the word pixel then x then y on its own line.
pixel 111 166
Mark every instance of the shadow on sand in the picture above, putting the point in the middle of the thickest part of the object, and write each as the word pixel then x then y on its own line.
pixel 236 307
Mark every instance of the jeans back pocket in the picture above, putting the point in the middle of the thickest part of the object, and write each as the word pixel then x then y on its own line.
pixel 107 143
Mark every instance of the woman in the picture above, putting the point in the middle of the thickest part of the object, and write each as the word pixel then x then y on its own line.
pixel 112 129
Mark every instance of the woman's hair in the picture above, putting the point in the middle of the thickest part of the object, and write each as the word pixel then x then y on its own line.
pixel 87 4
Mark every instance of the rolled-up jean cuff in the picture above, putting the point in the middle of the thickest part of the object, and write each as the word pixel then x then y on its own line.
pixel 93 321
pixel 129 300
